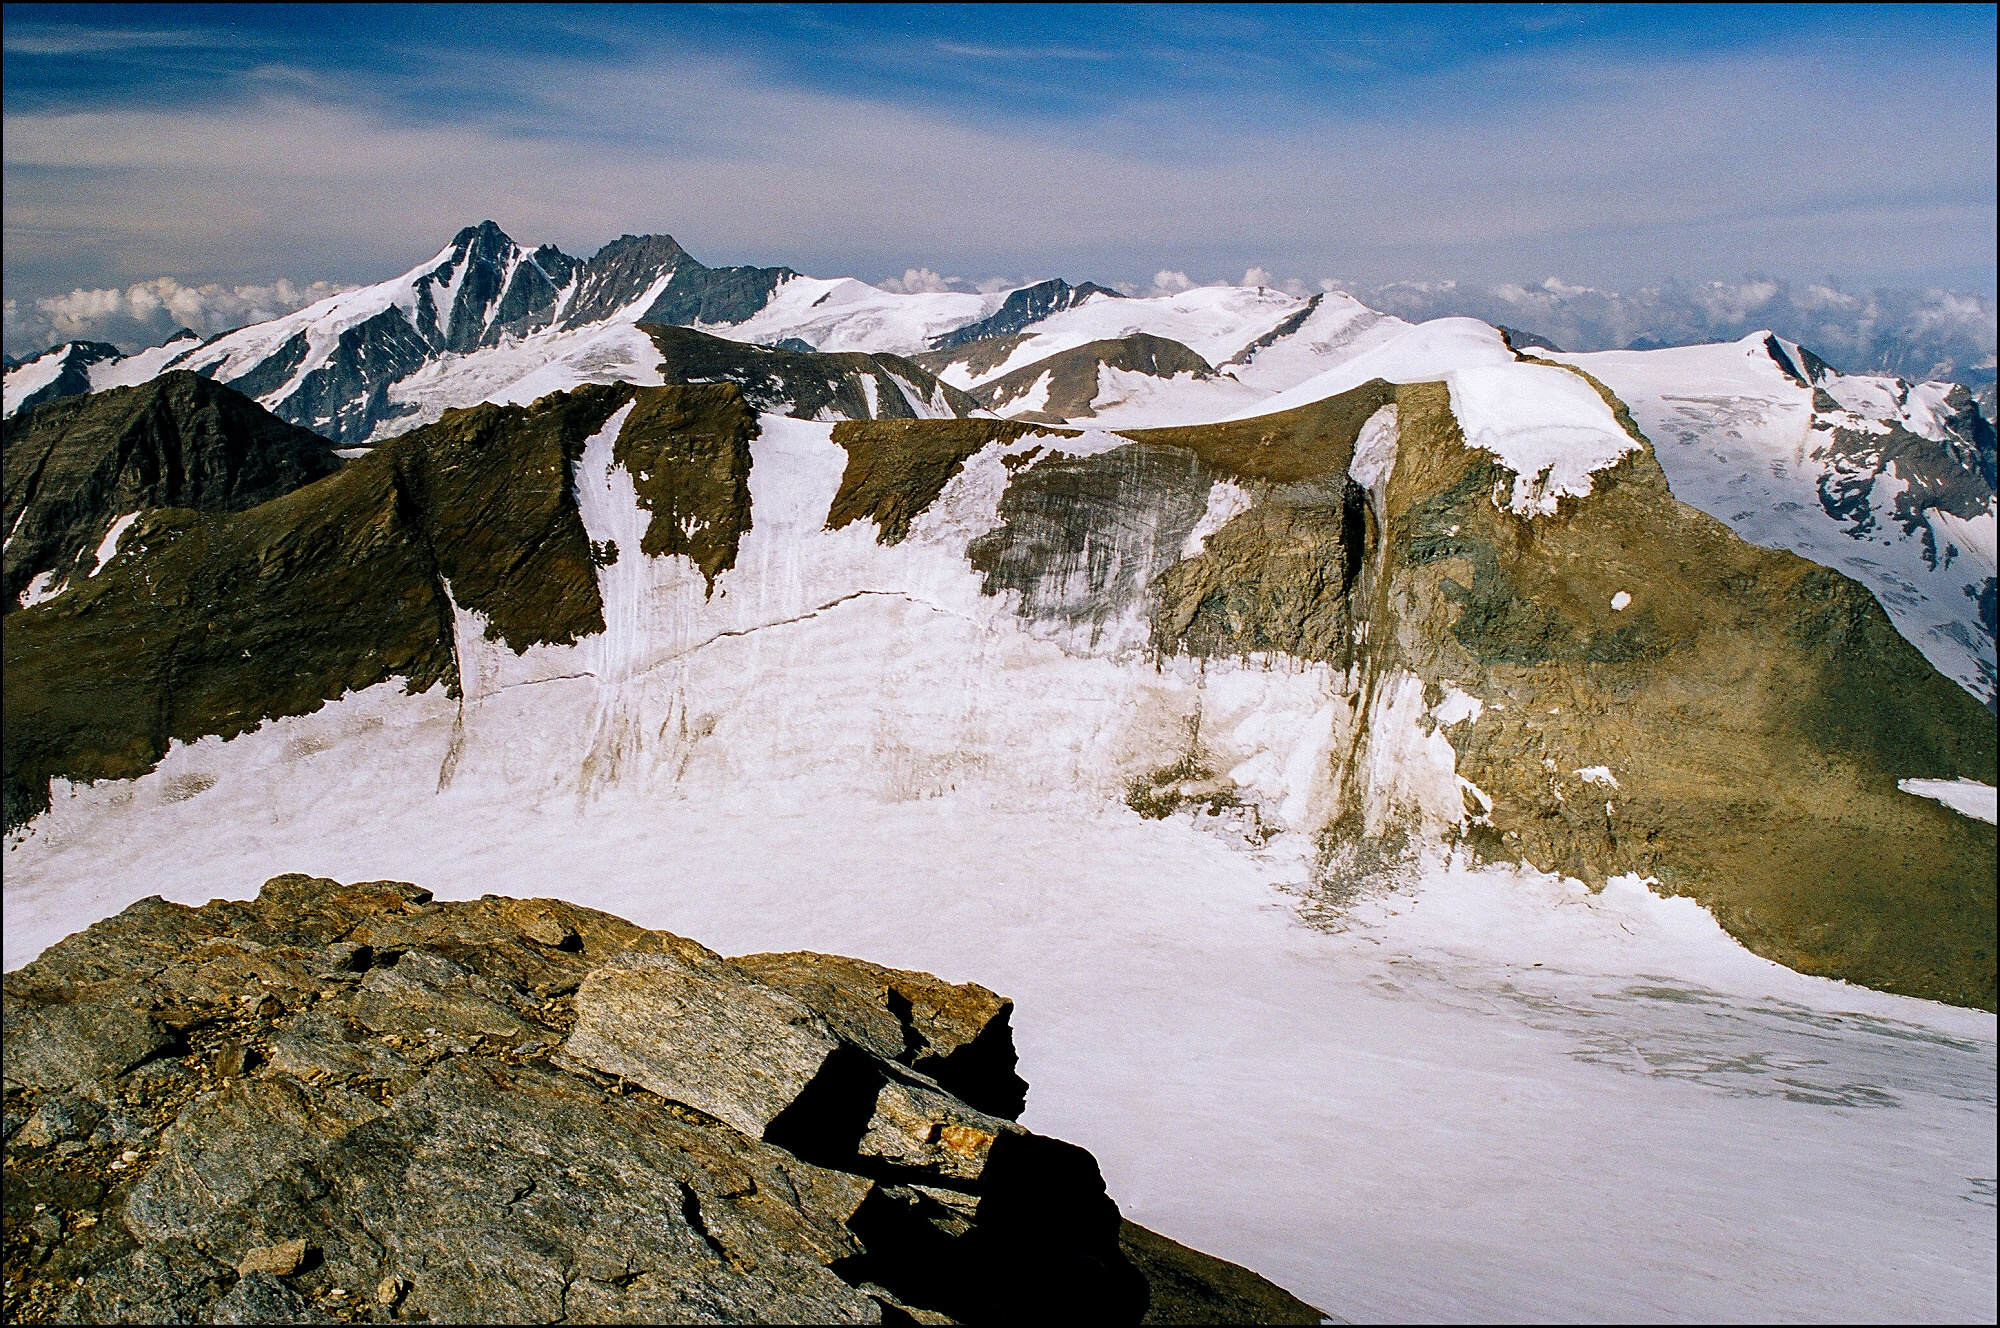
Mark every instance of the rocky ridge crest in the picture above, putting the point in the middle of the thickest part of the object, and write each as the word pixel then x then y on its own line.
pixel 354 1103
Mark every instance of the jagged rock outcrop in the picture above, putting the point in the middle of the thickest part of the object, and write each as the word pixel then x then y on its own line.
pixel 353 1103
pixel 74 466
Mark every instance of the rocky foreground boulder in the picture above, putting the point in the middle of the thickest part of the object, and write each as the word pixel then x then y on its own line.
pixel 353 1103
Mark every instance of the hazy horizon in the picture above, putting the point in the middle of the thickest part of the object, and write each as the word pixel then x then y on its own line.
pixel 211 166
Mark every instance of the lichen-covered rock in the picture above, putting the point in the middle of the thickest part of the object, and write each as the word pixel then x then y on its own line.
pixel 78 1045
pixel 344 1102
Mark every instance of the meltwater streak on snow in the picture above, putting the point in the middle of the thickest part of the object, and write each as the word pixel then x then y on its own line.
pixel 1968 797
pixel 1495 1096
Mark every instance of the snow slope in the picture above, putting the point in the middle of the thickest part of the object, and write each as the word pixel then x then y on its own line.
pixel 1493 1095
pixel 58 371
pixel 843 314
pixel 33 376
pixel 1336 328
pixel 1547 425
pixel 1742 441
pixel 1215 322
pixel 517 372
pixel 1130 400
pixel 131 370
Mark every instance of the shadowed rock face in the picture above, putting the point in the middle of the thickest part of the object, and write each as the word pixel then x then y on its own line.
pixel 521 1110
pixel 957 1034
pixel 74 466
pixel 1030 304
pixel 808 384
pixel 1073 376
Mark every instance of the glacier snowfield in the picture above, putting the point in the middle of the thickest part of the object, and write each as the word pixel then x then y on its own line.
pixel 1487 1094
pixel 1490 1095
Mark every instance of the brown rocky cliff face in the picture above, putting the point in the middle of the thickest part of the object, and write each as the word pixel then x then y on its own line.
pixel 73 466
pixel 353 1103
pixel 1755 709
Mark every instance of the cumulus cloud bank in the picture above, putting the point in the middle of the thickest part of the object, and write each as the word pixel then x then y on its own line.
pixel 147 312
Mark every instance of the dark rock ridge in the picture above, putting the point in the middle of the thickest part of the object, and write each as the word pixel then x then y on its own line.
pixel 1071 391
pixel 349 1103
pixel 1968 446
pixel 1283 330
pixel 488 288
pixel 1518 340
pixel 73 378
pixel 1030 304
pixel 213 623
pixel 809 384
pixel 69 468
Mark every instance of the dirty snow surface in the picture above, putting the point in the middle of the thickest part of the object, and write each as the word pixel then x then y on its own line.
pixel 1485 1094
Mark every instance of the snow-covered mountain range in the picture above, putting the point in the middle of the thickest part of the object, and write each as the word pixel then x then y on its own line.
pixel 1297 708
pixel 1888 481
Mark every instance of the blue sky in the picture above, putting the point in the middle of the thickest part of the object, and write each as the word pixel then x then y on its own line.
pixel 1610 146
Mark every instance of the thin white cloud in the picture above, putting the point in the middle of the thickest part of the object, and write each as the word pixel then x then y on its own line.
pixel 742 169
pixel 1914 333
pixel 77 39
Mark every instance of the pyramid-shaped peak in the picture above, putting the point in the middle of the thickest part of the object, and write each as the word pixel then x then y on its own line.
pixel 486 242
